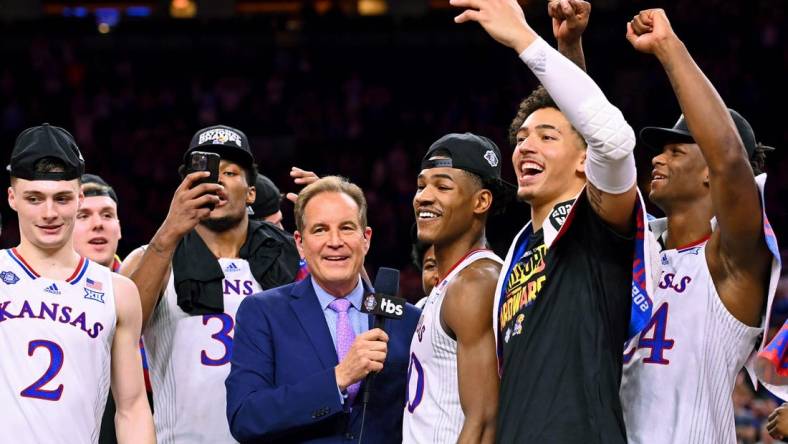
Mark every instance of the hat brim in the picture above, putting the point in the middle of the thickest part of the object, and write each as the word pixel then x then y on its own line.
pixel 233 154
pixel 655 138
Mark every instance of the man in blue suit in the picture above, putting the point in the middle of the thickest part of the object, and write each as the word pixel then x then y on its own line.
pixel 302 351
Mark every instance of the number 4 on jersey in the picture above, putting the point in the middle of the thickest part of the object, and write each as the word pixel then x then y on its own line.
pixel 656 342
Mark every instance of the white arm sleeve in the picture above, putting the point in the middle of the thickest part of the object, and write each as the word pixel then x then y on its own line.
pixel 610 164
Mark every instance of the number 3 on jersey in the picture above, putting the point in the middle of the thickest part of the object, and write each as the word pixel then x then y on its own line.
pixel 223 336
pixel 657 343
pixel 35 389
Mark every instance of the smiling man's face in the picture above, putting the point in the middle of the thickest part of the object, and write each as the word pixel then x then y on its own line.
pixel 333 241
pixel 46 210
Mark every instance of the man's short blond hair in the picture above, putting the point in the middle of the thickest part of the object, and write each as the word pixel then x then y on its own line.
pixel 330 184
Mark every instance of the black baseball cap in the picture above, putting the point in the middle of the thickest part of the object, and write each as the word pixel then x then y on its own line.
pixel 267 199
pixel 228 142
pixel 475 154
pixel 656 138
pixel 104 190
pixel 39 142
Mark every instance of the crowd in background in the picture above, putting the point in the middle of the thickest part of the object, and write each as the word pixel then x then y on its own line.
pixel 364 98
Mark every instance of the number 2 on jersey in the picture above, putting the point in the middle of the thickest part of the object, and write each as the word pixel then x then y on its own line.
pixel 657 343
pixel 35 389
pixel 223 336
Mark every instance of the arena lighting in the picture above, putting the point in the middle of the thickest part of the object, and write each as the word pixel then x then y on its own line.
pixel 322 6
pixel 372 7
pixel 106 18
pixel 138 11
pixel 76 11
pixel 183 9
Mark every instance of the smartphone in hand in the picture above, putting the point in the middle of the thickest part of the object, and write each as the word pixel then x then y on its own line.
pixel 204 161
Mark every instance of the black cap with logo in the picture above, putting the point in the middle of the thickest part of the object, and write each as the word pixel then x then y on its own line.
pixel 39 142
pixel 268 198
pixel 226 141
pixel 656 138
pixel 475 154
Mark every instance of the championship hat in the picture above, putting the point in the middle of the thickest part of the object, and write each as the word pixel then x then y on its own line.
pixel 229 143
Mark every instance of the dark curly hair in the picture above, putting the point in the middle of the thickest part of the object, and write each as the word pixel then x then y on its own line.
pixel 538 99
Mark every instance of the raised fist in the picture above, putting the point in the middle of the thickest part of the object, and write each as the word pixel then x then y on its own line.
pixel 649 30
pixel 570 18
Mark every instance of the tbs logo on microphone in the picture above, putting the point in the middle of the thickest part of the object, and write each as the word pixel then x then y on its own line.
pixel 391 307
pixel 384 305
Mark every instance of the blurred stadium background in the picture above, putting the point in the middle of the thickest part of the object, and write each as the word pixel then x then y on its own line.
pixel 352 87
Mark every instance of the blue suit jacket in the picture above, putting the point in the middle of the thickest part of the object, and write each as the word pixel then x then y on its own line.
pixel 282 387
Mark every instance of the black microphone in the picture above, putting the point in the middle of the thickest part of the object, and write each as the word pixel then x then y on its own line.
pixel 383 304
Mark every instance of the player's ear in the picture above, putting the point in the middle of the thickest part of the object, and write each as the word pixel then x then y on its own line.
pixel 581 164
pixel 483 201
pixel 11 198
pixel 251 194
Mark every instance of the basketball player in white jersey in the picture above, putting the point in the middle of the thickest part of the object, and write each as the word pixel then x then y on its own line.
pixel 453 375
pixel 69 327
pixel 192 277
pixel 719 261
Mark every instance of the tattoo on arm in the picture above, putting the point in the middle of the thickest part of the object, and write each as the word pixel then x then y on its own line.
pixel 574 53
pixel 595 197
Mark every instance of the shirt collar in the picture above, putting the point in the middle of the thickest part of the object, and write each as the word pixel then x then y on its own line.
pixel 325 298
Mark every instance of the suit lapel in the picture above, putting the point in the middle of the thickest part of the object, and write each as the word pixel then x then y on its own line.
pixel 310 315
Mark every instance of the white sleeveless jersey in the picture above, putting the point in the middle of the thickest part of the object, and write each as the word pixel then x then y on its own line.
pixel 432 412
pixel 679 373
pixel 189 359
pixel 56 341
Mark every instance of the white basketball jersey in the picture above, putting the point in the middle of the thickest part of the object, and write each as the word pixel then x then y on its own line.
pixel 679 373
pixel 432 412
pixel 56 342
pixel 189 359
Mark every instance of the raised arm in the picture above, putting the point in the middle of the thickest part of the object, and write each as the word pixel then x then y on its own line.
pixel 610 164
pixel 133 420
pixel 149 267
pixel 570 19
pixel 737 253
pixel 469 301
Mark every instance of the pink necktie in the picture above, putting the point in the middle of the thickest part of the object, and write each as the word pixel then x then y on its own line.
pixel 345 337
